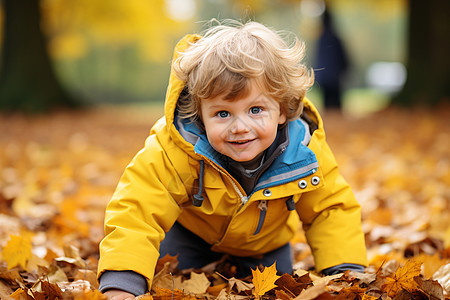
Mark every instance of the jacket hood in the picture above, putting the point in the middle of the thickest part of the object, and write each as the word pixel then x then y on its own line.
pixel 176 86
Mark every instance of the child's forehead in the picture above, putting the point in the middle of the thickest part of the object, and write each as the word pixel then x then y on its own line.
pixel 252 96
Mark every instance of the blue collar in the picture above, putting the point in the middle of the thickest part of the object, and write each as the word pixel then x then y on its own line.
pixel 297 161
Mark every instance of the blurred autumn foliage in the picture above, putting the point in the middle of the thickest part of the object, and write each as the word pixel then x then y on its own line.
pixel 58 171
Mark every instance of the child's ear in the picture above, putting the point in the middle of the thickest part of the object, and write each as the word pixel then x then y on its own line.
pixel 282 118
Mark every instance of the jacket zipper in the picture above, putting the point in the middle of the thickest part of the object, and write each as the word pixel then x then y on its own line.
pixel 262 215
pixel 242 197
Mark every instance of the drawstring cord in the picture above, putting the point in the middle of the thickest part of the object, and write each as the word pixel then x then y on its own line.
pixel 198 198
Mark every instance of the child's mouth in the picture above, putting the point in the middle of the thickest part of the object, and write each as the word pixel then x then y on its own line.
pixel 241 142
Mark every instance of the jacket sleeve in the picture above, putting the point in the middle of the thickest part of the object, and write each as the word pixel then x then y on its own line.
pixel 331 215
pixel 143 207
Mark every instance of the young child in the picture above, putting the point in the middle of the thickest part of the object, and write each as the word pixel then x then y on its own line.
pixel 238 159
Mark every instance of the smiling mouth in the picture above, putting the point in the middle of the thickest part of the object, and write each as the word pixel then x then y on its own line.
pixel 241 142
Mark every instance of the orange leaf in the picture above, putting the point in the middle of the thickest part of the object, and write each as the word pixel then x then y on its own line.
pixel 20 294
pixel 90 295
pixel 264 281
pixel 17 251
pixel 403 278
pixel 167 294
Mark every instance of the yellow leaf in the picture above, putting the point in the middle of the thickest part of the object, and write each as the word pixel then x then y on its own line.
pixel 17 251
pixel 264 281
pixel 403 278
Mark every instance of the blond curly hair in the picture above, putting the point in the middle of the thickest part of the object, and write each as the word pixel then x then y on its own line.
pixel 230 54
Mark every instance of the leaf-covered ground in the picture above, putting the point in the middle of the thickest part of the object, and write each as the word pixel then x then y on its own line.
pixel 58 171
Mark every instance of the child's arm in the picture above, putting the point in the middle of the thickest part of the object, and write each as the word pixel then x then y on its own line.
pixel 125 281
pixel 143 207
pixel 331 216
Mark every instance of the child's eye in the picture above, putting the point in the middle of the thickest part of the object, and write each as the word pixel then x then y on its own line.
pixel 223 114
pixel 255 110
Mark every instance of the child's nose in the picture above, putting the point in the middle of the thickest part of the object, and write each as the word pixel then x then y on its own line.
pixel 239 126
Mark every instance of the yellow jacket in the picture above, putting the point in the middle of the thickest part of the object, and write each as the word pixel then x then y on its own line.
pixel 158 188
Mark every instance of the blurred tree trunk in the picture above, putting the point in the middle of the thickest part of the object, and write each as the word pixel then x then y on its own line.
pixel 27 79
pixel 428 61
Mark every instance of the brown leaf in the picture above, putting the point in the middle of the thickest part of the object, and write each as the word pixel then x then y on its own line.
pixel 431 288
pixel 50 290
pixel 313 292
pixel 168 262
pixel 352 292
pixel 87 275
pixel 292 287
pixel 5 290
pixel 282 295
pixel 166 294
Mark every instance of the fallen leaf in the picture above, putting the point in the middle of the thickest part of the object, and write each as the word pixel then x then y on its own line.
pixel 216 289
pixel 20 294
pixel 264 281
pixel 168 262
pixel 282 295
pixel 313 292
pixel 431 264
pixel 443 277
pixel 223 295
pixel 197 284
pixel 5 290
pixel 239 285
pixel 17 251
pixel 290 286
pixel 403 278
pixel 144 297
pixel 90 295
pixel 47 289
pixel 166 294
pixel 87 275
pixel 431 288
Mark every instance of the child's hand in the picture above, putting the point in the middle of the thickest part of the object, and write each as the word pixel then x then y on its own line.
pixel 118 295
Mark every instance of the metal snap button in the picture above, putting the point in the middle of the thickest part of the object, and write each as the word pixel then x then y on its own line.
pixel 302 184
pixel 267 193
pixel 315 180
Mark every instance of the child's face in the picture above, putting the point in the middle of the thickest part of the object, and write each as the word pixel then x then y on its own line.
pixel 243 128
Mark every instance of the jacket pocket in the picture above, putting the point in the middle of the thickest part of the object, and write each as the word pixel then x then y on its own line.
pixel 262 215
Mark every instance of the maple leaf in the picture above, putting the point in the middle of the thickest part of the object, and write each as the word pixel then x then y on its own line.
pixel 264 281
pixel 198 284
pixel 403 278
pixel 17 251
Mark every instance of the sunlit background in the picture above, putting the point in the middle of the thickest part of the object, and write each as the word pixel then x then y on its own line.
pixel 113 51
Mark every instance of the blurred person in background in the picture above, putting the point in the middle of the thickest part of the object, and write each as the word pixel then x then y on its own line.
pixel 331 63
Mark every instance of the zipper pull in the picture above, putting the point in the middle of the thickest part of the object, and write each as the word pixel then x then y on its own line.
pixel 262 205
